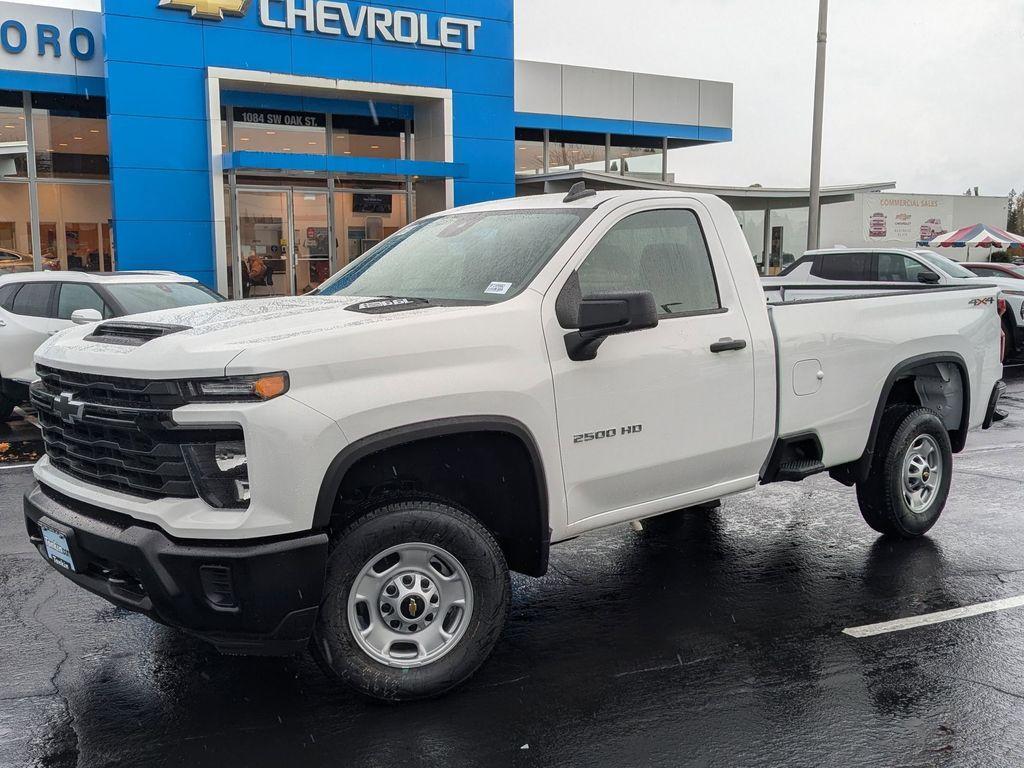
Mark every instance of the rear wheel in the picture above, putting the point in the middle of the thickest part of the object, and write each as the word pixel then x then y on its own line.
pixel 416 596
pixel 906 488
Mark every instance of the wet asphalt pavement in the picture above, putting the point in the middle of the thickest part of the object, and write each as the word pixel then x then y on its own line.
pixel 719 644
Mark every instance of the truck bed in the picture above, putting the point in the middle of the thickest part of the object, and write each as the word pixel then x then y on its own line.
pixel 835 353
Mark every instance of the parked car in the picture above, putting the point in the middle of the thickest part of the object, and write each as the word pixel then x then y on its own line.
pixel 995 269
pixel 817 272
pixel 36 305
pixel 12 261
pixel 355 471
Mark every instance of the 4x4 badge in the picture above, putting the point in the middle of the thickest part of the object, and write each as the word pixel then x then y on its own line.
pixel 215 10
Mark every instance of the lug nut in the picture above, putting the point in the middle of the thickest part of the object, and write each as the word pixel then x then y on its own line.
pixel 395 624
pixel 430 618
pixel 424 585
pixel 391 591
pixel 433 599
pixel 385 608
pixel 408 581
pixel 413 627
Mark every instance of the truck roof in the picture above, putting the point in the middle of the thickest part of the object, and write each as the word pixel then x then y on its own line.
pixel 536 202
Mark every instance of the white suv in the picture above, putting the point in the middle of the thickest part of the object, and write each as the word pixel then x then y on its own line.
pixel 35 305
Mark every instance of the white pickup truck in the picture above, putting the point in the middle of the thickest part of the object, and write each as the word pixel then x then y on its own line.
pixel 356 471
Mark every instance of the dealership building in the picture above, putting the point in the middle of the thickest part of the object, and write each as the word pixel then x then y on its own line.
pixel 197 135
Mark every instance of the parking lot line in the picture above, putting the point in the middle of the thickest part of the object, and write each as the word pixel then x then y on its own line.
pixel 17 466
pixel 898 625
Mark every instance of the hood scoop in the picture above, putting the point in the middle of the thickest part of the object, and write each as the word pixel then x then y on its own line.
pixel 128 334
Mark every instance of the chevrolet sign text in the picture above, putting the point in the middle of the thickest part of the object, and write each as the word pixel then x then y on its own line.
pixel 331 17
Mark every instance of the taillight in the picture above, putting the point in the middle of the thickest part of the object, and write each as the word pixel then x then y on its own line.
pixel 1001 303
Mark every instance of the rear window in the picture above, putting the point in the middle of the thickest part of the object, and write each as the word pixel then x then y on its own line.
pixel 853 266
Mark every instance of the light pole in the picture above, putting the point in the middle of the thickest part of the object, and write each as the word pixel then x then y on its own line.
pixel 814 211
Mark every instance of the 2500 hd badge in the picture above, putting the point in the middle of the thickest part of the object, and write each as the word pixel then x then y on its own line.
pixel 601 434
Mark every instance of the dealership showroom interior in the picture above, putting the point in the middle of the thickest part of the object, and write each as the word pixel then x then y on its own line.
pixel 511 382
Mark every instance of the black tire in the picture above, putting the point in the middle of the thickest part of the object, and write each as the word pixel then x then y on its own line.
pixel 334 645
pixel 881 495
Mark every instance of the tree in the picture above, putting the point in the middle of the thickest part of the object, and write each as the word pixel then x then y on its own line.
pixel 1015 213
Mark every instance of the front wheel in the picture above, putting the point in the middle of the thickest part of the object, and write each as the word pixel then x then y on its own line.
pixel 906 488
pixel 415 598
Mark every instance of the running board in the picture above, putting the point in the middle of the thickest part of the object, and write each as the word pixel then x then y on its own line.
pixel 798 470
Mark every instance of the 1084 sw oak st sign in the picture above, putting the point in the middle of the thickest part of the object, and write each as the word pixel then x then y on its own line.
pixel 331 17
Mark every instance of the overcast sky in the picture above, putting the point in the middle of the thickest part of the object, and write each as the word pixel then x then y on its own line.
pixel 926 93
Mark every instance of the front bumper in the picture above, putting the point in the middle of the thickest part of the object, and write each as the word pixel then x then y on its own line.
pixel 258 597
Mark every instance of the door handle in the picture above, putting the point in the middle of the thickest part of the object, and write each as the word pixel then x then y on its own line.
pixel 727 345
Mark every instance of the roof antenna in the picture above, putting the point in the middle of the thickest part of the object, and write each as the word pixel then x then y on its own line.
pixel 578 191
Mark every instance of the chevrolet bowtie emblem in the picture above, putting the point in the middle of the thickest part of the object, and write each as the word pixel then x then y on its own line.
pixel 214 10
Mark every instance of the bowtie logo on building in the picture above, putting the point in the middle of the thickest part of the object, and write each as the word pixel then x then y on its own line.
pixel 215 10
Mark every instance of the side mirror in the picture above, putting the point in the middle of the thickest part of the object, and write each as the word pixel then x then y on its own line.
pixel 929 278
pixel 609 314
pixel 86 316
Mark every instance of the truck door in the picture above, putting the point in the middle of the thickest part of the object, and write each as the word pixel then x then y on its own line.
pixel 663 417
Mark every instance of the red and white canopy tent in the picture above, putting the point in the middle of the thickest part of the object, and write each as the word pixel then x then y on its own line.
pixel 978 236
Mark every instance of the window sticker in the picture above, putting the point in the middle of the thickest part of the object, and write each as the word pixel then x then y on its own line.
pixel 499 288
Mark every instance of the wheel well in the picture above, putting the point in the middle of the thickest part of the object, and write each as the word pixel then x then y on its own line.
pixel 939 383
pixel 492 475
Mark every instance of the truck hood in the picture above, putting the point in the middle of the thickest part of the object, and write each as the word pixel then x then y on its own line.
pixel 203 340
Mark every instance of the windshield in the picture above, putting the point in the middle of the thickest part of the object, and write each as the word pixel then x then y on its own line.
pixel 464 258
pixel 948 266
pixel 149 297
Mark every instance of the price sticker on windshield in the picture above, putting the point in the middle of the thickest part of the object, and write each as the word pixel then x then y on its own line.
pixel 498 288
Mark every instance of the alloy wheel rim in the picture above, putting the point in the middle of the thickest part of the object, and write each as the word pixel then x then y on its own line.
pixel 922 474
pixel 410 605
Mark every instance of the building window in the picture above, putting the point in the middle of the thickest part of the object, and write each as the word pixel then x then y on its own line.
pixel 576 151
pixel 13 135
pixel 364 136
pixel 529 151
pixel 273 130
pixel 70 135
pixel 74 231
pixel 637 156
pixel 15 219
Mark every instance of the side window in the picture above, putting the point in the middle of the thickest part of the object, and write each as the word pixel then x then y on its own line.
pixel 855 267
pixel 74 296
pixel 33 300
pixel 898 268
pixel 663 252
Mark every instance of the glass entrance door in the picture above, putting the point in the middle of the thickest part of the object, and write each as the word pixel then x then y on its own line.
pixel 291 239
pixel 263 228
pixel 312 236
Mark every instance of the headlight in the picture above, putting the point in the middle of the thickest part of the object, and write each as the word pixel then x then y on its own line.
pixel 237 388
pixel 220 472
